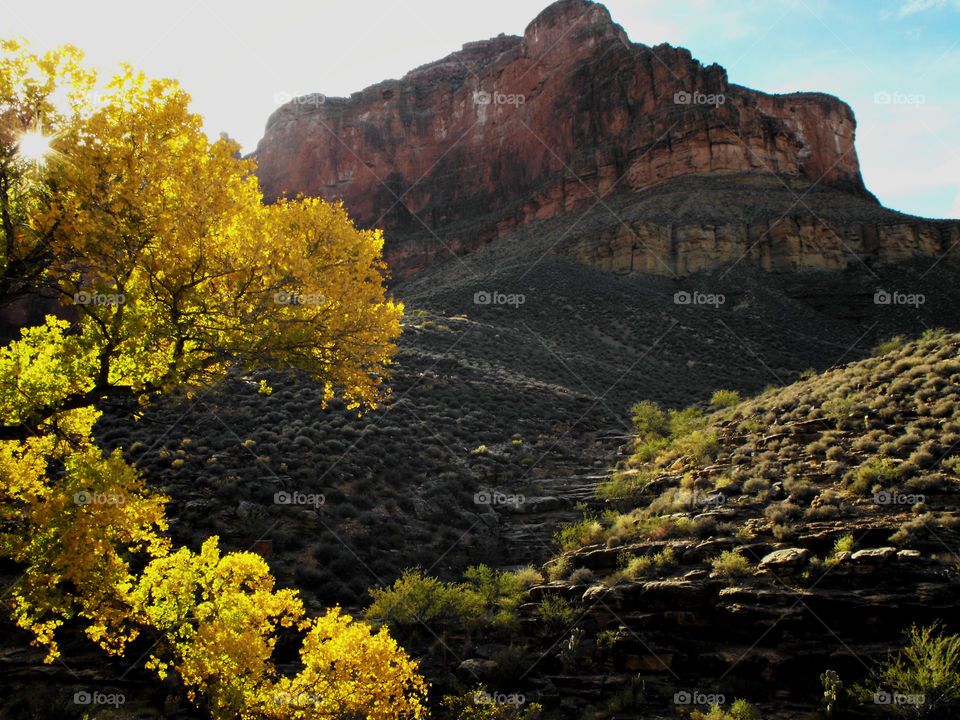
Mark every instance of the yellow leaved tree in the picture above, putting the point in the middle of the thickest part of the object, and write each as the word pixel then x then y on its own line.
pixel 170 271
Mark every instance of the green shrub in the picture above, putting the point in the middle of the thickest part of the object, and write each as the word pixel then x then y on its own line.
pixel 740 710
pixel 699 444
pixel 648 419
pixel 559 570
pixel 755 486
pixel 928 667
pixel 933 334
pixel 783 531
pixel 479 705
pixel 649 565
pixel 876 471
pixel 894 343
pixel 842 545
pixel 683 422
pixel 725 398
pixel 414 598
pixel 648 449
pixel 556 612
pixel 581 576
pixel 624 486
pixel 579 534
pixel 839 408
pixel 500 594
pixel 752 425
pixel 731 564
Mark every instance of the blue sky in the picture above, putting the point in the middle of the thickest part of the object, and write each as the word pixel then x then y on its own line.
pixel 238 58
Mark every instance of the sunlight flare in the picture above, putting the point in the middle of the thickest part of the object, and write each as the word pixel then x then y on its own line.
pixel 34 146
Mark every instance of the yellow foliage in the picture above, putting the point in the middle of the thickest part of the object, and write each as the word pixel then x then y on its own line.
pixel 349 671
pixel 171 271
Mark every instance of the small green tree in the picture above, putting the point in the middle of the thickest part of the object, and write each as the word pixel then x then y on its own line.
pixel 649 419
pixel 922 680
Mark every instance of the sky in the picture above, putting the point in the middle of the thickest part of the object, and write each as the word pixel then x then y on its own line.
pixel 896 62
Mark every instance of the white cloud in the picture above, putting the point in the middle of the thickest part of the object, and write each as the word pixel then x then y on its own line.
pixel 955 208
pixel 911 7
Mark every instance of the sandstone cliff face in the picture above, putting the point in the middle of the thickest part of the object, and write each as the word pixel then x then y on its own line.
pixel 792 244
pixel 513 130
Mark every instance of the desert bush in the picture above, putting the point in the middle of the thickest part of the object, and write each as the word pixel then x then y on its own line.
pixel 500 594
pixel 781 512
pixel 725 398
pixel 415 598
pixel 839 408
pixel 579 534
pixel 914 529
pixel 649 419
pixel 821 512
pixel 928 669
pixel 698 443
pixel 740 710
pixel 752 425
pixel 755 486
pixel 876 471
pixel 479 705
pixel 801 489
pixel 559 570
pixel 731 564
pixel 843 544
pixel 624 486
pixel 887 346
pixel 683 422
pixel 581 576
pixel 783 532
pixel 556 612
pixel 648 449
pixel 649 565
pixel 704 527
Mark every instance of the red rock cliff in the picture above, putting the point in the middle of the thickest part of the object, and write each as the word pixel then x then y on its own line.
pixel 514 129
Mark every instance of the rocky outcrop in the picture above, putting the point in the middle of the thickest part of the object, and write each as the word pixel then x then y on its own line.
pixel 513 130
pixel 786 244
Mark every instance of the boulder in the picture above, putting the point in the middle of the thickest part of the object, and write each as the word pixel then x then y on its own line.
pixel 787 559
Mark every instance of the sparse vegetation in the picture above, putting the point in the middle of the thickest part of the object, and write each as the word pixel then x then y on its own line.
pixel 922 680
pixel 725 398
pixel 731 564
pixel 739 710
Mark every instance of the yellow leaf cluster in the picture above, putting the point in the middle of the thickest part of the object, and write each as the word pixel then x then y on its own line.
pixel 170 270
